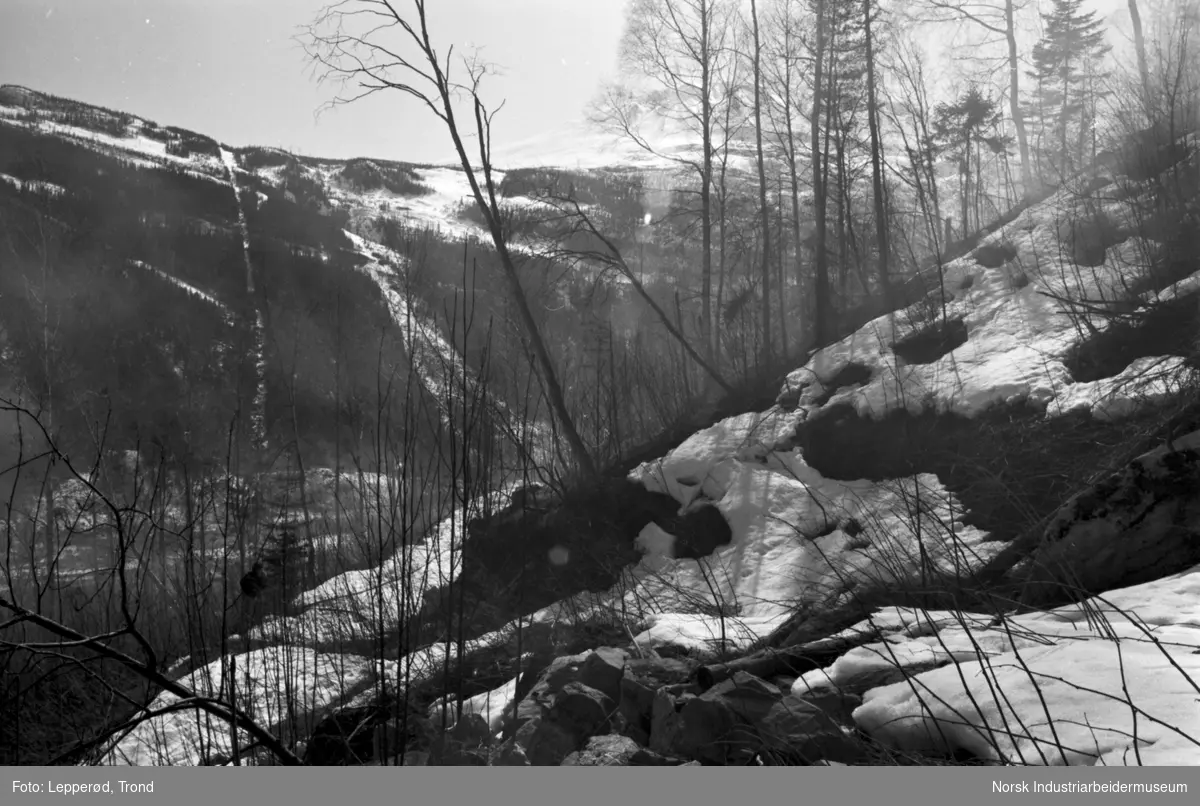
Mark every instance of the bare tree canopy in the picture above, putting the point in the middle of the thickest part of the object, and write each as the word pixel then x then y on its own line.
pixel 359 44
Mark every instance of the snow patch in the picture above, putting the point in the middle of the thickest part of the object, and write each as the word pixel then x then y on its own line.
pixel 191 289
pixel 265 681
pixel 1050 687
pixel 33 185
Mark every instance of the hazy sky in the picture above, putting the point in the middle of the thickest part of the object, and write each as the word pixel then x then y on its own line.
pixel 231 68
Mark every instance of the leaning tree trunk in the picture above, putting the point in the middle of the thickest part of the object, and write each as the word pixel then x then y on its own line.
pixel 491 213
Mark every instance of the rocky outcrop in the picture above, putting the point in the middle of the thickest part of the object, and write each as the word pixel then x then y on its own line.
pixel 1138 524
pixel 605 708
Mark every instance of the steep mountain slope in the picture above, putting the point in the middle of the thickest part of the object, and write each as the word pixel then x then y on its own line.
pixel 295 255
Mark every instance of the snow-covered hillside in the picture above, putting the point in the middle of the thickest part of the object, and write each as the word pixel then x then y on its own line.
pixel 800 541
pixel 1016 330
pixel 1001 330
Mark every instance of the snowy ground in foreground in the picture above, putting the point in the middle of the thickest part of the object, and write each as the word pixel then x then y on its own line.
pixel 1017 336
pixel 1139 644
pixel 1087 670
pixel 266 681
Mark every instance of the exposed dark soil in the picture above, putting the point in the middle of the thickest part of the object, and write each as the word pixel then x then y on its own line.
pixel 1010 467
pixel 848 375
pixel 931 343
pixel 520 561
pixel 995 255
pixel 1170 328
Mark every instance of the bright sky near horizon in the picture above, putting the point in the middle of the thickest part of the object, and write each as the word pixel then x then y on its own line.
pixel 232 68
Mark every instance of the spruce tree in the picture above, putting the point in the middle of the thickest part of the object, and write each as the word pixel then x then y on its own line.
pixel 959 128
pixel 1066 69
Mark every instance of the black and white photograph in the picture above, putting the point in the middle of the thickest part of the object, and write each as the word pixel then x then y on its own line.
pixel 609 383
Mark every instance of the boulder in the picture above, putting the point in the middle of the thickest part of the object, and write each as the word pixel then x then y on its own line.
pixel 666 725
pixel 637 708
pixel 561 671
pixel 641 679
pixel 545 743
pixel 719 726
pixel 604 751
pixel 796 731
pixel 706 732
pixel 747 696
pixel 539 698
pixel 583 711
pixel 1087 238
pixel 698 532
pixel 603 670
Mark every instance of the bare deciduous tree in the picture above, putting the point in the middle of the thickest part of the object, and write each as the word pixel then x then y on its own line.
pixel 611 257
pixel 784 72
pixel 1139 44
pixel 765 211
pixel 349 44
pixel 676 52
pixel 881 224
pixel 820 157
